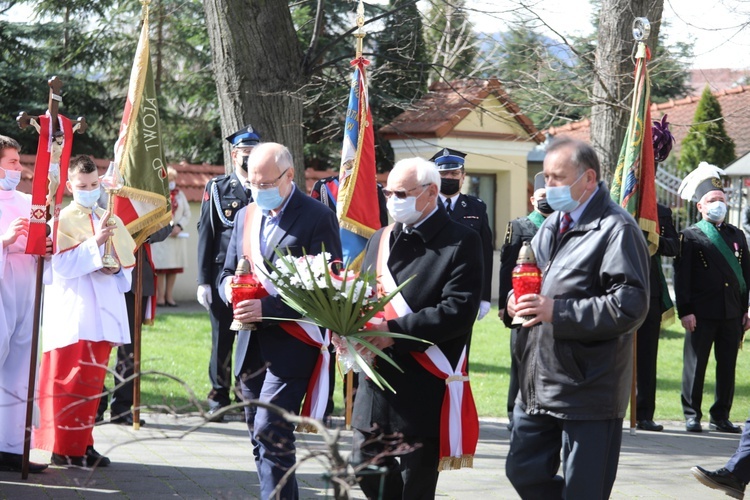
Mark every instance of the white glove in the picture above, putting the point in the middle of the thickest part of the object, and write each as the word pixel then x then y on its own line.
pixel 484 308
pixel 204 296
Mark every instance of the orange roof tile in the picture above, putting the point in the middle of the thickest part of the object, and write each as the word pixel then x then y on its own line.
pixel 447 103
pixel 735 107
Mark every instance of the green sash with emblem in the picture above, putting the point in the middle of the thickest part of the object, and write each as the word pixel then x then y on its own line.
pixel 536 218
pixel 714 237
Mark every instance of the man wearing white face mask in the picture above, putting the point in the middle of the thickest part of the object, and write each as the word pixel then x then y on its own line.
pixel 277 362
pixel 439 305
pixel 712 273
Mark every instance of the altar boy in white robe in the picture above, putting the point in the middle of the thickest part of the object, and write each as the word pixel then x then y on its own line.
pixel 17 271
pixel 84 317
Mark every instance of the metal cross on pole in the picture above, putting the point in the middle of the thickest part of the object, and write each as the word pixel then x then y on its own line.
pixel 45 193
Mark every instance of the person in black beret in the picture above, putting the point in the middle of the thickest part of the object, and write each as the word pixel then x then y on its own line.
pixel 223 197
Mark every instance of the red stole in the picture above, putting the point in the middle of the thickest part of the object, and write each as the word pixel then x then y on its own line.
pixel 37 240
pixel 459 422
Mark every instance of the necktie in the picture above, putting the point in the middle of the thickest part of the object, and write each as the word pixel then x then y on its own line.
pixel 248 193
pixel 565 223
pixel 448 206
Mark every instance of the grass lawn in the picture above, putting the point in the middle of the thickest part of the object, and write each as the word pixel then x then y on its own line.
pixel 178 345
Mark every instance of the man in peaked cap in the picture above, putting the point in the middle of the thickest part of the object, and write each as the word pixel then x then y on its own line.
pixel 712 271
pixel 518 231
pixel 223 197
pixel 467 210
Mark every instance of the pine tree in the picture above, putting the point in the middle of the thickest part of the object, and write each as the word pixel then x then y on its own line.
pixel 707 139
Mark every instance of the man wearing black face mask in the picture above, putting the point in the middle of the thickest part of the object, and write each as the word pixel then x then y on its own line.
pixel 223 197
pixel 467 210
pixel 519 230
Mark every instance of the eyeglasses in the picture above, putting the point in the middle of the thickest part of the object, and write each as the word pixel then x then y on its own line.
pixel 401 194
pixel 268 185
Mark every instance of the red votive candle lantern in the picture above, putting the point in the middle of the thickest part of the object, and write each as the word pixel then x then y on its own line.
pixel 527 277
pixel 245 287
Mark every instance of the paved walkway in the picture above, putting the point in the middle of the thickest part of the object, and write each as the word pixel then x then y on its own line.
pixel 183 457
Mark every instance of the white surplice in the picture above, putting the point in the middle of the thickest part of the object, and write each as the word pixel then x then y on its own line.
pixel 17 272
pixel 82 303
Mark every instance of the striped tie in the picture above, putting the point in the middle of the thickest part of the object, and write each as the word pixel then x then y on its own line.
pixel 565 223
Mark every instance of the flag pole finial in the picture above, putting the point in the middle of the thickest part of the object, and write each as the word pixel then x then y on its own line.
pixel 144 8
pixel 360 34
pixel 641 29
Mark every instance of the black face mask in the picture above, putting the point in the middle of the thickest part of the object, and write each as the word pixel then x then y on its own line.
pixel 244 163
pixel 543 207
pixel 449 187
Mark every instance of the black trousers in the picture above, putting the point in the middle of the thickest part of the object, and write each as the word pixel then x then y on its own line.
pixel 122 396
pixel 724 335
pixel 413 477
pixel 590 451
pixel 222 341
pixel 647 347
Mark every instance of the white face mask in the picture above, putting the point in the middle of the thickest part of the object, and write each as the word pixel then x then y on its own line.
pixel 11 179
pixel 87 198
pixel 716 211
pixel 172 185
pixel 404 210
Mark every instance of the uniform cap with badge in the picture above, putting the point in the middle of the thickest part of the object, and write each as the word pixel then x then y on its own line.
pixel 246 137
pixel 448 159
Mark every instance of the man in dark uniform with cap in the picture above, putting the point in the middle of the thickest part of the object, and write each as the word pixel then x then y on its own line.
pixel 467 210
pixel 223 197
pixel 518 231
pixel 711 276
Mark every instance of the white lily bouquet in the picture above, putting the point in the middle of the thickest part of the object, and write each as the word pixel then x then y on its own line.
pixel 344 302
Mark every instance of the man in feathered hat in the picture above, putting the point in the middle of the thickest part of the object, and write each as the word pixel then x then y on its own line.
pixel 711 276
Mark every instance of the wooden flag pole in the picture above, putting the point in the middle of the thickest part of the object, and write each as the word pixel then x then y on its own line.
pixel 633 405
pixel 137 322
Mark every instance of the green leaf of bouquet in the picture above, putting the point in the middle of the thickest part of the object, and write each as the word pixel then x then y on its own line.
pixel 365 367
pixel 378 352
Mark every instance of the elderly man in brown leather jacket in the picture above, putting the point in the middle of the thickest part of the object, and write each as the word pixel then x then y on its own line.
pixel 575 354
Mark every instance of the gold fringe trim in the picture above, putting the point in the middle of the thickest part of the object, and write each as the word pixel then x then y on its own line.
pixel 306 428
pixel 455 463
pixel 652 233
pixel 667 317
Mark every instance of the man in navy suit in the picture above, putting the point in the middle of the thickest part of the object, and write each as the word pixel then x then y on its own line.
pixel 278 359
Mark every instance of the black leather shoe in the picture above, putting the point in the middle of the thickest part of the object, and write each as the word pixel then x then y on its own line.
pixel 66 461
pixel 721 479
pixel 216 414
pixel 724 426
pixel 14 462
pixel 693 425
pixel 96 459
pixel 649 425
pixel 126 419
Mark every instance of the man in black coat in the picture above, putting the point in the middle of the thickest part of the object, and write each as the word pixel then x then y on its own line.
pixel 519 230
pixel 647 344
pixel 223 197
pixel 439 305
pixel 278 365
pixel 712 273
pixel 467 210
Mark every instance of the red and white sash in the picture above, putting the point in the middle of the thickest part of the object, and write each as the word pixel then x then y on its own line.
pixel 316 398
pixel 459 422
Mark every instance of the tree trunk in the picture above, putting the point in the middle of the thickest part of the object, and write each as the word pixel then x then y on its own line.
pixel 613 84
pixel 257 68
